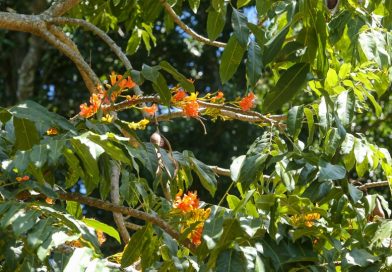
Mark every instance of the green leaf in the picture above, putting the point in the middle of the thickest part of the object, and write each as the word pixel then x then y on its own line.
pixel 331 172
pixel 231 59
pixel 107 143
pixel 242 3
pixel 251 169
pixel 150 73
pixel 160 86
pixel 230 260
pixel 194 4
pixel 310 122
pixel 241 30
pixel 74 209
pixel 134 41
pixel 355 194
pixel 358 257
pixel 331 81
pixel 262 6
pixel 289 83
pixel 345 103
pixel 215 23
pixel 374 46
pixel 134 248
pixel 97 225
pixel 184 82
pixel 26 134
pixel 205 174
pixel 79 260
pixel 332 141
pixel 294 120
pixel 258 33
pixel 323 114
pixel 273 46
pixel 254 63
pixel 88 152
pixel 40 115
pixel 39 155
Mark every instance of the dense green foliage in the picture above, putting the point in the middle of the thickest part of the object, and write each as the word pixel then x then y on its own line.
pixel 296 201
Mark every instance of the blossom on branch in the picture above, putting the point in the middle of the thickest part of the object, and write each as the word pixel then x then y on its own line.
pixel 150 110
pixel 247 102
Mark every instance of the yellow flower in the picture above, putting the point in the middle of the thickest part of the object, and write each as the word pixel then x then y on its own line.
pixel 139 125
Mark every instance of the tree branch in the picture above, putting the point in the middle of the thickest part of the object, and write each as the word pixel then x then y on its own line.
pixel 186 28
pixel 107 206
pixel 115 196
pixel 376 184
pixel 60 7
pixel 224 110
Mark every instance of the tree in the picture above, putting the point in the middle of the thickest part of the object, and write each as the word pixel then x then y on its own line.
pixel 298 199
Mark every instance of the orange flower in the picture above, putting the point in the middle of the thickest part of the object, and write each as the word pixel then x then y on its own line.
pixel 101 237
pixel 188 203
pixel 125 83
pixel 195 235
pixel 49 200
pixel 150 110
pixel 52 131
pixel 179 96
pixel 113 78
pixel 95 101
pixel 218 97
pixel 247 102
pixel 191 109
pixel 21 179
pixel 86 111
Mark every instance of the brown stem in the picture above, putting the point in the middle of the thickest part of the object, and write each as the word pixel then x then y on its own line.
pixel 107 206
pixel 115 196
pixel 61 7
pixel 186 28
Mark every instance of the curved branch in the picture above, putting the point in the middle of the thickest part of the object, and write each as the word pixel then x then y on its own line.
pixel 186 28
pixel 107 206
pixel 115 196
pixel 60 7
pixel 103 36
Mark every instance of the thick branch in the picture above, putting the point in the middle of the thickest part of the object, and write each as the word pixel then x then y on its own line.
pixel 186 28
pixel 107 206
pixel 115 196
pixel 103 36
pixel 61 7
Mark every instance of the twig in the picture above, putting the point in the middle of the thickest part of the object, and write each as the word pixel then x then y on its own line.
pixel 186 28
pixel 376 184
pixel 107 206
pixel 132 226
pixel 115 196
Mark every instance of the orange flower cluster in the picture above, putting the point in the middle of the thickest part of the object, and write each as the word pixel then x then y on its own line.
pixel 95 103
pixel 188 103
pixel 247 102
pixel 307 219
pixel 151 110
pixel 97 99
pixel 21 179
pixel 191 109
pixel 122 82
pixel 188 205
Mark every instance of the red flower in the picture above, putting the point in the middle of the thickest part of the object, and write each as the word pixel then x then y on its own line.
pixel 24 178
pixel 196 235
pixel 150 110
pixel 179 96
pixel 191 109
pixel 125 83
pixel 247 102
